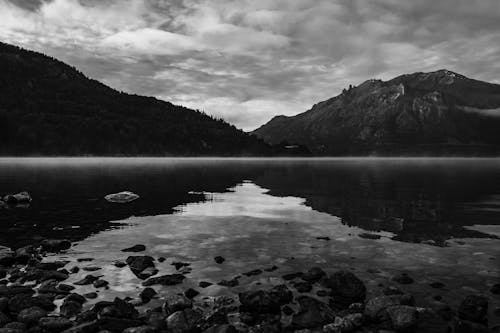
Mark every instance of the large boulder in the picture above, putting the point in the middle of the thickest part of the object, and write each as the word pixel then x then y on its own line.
pixel 282 294
pixel 473 308
pixel 259 301
pixel 121 197
pixel 175 303
pixel 346 288
pixel 25 301
pixel 54 324
pixel 376 308
pixel 312 313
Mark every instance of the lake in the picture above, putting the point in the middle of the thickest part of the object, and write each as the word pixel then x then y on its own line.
pixel 436 219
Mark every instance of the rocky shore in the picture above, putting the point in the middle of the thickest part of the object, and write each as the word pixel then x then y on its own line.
pixel 35 298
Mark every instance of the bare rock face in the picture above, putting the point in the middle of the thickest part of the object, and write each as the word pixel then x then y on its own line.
pixel 20 198
pixel 398 116
pixel 121 197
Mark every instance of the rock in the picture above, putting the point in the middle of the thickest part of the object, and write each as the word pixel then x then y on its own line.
pixel 147 294
pixel 312 313
pixel 302 287
pixel 402 278
pixel 135 248
pixel 91 268
pixel 224 328
pixel 253 272
pixel 18 198
pixel 88 279
pixel 229 283
pixel 70 308
pixel 55 245
pixel 101 283
pixel 55 324
pixel 313 275
pixel 183 321
pixel 495 289
pixel 369 236
pixel 86 316
pixel 75 298
pixel 140 329
pixel 178 265
pixel 75 269
pixel 345 324
pixel 22 301
pixel 15 325
pixel 442 309
pixel 473 308
pixel 436 285
pixel 282 294
pixel 161 259
pixel 4 319
pixel 431 322
pixel 191 293
pixel 166 280
pixel 138 264
pixel 24 254
pixel 346 288
pixel 120 264
pixel 391 290
pixel 288 311
pixel 91 295
pixel 43 275
pixel 325 238
pixel 175 303
pixel 7 256
pixel 271 269
pixel 292 276
pixel 10 291
pixel 404 318
pixel 147 273
pixel 375 308
pixel 259 301
pixel 121 197
pixel 204 284
pixel 219 259
pixel 31 316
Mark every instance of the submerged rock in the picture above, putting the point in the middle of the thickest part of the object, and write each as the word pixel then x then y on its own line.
pixel 138 264
pixel 219 259
pixel 166 280
pixel 135 248
pixel 121 197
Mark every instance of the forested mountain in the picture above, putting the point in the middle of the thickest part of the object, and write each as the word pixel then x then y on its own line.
pixel 437 113
pixel 50 108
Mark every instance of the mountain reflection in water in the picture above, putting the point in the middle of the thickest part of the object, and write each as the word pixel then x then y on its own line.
pixel 414 199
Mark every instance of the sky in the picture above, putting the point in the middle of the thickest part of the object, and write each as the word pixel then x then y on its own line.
pixel 248 60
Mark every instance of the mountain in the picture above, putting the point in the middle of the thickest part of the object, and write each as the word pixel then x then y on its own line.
pixel 50 108
pixel 438 113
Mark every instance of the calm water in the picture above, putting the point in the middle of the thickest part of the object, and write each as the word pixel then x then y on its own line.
pixel 439 219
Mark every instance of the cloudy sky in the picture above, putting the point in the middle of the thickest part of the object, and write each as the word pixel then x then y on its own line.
pixel 248 60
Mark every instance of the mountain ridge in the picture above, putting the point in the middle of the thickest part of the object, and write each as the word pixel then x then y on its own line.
pixel 49 108
pixel 438 113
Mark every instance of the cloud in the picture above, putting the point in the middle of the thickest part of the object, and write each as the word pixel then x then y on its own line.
pixel 249 60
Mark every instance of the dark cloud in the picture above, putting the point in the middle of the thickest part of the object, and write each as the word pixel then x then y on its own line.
pixel 249 60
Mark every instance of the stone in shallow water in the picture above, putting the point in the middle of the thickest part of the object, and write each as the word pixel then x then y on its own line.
pixel 135 248
pixel 55 324
pixel 55 245
pixel 219 259
pixel 402 278
pixel 176 303
pixel 30 316
pixel 121 197
pixel 166 280
pixel 403 317
pixel 204 284
pixel 259 301
pixel 18 198
pixel 183 321
pixel 138 264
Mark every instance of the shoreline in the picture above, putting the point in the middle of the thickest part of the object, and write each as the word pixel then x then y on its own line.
pixel 33 287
